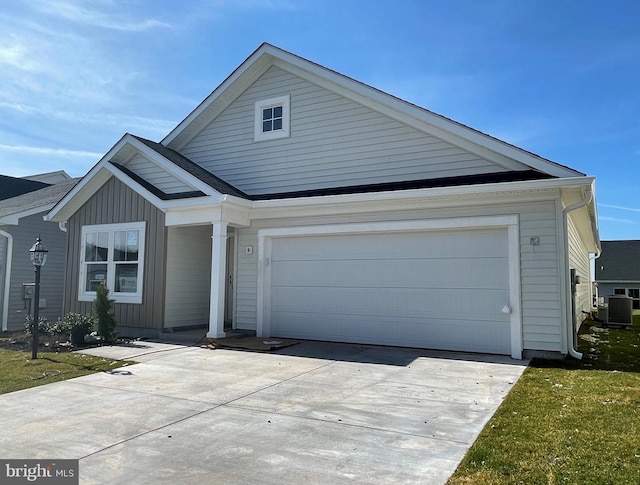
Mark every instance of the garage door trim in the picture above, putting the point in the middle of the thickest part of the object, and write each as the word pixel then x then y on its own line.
pixel 508 222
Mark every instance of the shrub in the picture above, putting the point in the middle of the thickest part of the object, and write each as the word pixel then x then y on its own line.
pixel 78 326
pixel 44 326
pixel 104 314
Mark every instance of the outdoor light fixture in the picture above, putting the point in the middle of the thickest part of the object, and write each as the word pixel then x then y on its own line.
pixel 38 254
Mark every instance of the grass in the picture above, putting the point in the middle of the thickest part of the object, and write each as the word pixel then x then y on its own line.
pixel 573 422
pixel 19 371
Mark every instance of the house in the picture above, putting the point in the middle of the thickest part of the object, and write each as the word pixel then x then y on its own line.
pixel 12 186
pixel 21 221
pixel 618 270
pixel 297 202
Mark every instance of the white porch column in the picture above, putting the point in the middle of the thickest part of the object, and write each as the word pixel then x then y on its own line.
pixel 218 283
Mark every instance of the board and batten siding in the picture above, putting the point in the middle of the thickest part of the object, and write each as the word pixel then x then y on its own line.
pixel 579 260
pixel 334 142
pixel 541 308
pixel 22 270
pixel 188 276
pixel 116 203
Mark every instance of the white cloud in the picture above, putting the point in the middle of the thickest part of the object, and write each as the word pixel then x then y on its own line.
pixel 619 207
pixel 48 151
pixel 615 219
pixel 88 15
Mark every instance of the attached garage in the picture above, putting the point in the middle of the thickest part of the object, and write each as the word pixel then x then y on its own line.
pixel 414 286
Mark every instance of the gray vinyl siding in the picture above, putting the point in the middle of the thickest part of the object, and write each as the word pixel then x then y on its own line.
pixel 541 309
pixel 333 142
pixel 150 172
pixel 22 271
pixel 116 203
pixel 579 259
pixel 188 276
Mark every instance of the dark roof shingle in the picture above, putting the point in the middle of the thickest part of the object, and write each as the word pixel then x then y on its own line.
pixel 619 261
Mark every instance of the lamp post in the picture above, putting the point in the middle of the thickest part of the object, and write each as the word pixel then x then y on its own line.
pixel 38 254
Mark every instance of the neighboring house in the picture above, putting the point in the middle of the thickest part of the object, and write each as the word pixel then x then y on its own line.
pixel 297 202
pixel 21 221
pixel 50 177
pixel 618 270
pixel 12 186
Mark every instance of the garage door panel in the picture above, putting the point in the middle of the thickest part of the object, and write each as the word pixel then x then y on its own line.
pixel 432 289
pixel 411 273
pixel 392 302
pixel 446 334
pixel 458 244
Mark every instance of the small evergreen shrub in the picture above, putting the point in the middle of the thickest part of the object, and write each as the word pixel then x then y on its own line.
pixel 104 314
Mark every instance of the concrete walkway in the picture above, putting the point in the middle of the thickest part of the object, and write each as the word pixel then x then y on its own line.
pixel 315 413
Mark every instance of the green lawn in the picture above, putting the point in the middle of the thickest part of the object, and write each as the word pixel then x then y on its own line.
pixel 18 371
pixel 573 422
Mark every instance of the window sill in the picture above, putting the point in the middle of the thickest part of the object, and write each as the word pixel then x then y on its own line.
pixel 135 299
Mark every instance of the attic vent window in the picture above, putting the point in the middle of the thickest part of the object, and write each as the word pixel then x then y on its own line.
pixel 272 118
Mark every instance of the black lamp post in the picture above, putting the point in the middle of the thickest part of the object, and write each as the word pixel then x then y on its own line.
pixel 38 254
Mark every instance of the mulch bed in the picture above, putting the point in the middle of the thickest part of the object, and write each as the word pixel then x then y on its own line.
pixel 46 343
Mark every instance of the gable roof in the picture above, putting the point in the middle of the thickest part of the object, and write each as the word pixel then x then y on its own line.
pixel 13 186
pixel 619 261
pixel 13 209
pixel 166 177
pixel 267 55
pixel 192 168
pixel 202 183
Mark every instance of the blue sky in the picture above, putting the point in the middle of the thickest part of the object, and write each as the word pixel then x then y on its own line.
pixel 558 78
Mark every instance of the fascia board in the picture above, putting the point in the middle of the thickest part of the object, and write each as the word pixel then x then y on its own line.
pixel 205 201
pixel 98 175
pixel 173 169
pixel 14 219
pixel 229 90
pixel 420 118
pixel 207 214
pixel 429 193
pixel 238 201
pixel 86 180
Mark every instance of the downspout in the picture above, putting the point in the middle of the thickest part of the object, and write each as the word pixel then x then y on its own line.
pixel 570 327
pixel 7 281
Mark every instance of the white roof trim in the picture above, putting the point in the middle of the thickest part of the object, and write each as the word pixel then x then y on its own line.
pixel 14 219
pixel 97 175
pixel 434 192
pixel 258 62
pixel 170 167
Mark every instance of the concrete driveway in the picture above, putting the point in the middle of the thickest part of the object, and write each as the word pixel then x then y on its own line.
pixel 312 413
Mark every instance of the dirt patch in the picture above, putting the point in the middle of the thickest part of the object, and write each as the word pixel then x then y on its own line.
pixel 249 343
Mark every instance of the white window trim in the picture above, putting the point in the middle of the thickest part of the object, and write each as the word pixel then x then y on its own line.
pixel 84 295
pixel 258 134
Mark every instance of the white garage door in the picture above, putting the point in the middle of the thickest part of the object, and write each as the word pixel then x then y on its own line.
pixel 433 289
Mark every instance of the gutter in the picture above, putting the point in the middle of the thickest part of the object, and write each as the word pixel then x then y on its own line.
pixel 4 316
pixel 570 327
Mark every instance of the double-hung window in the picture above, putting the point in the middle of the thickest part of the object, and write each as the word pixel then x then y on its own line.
pixel 114 254
pixel 271 118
